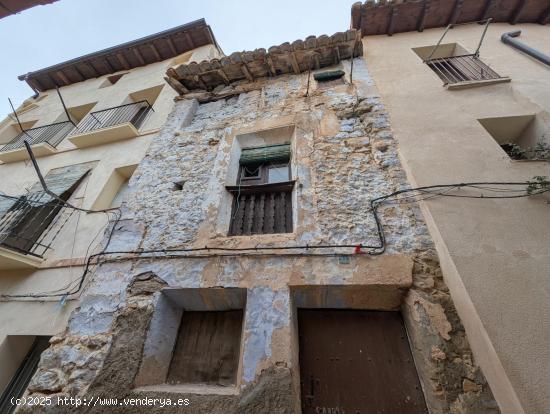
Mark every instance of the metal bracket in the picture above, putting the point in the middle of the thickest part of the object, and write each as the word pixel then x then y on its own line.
pixel 449 27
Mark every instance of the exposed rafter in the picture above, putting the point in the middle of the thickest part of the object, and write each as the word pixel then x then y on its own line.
pixel 379 17
pixel 457 9
pixel 157 47
pixel 248 68
pixel 424 15
pixel 155 52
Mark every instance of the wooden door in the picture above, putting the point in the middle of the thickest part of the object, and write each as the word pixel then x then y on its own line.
pixel 356 362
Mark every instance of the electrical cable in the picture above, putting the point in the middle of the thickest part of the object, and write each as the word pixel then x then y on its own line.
pixel 432 191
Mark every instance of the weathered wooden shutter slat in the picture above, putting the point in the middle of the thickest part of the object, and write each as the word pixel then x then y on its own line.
pixel 261 210
pixel 271 153
pixel 249 214
pixel 288 212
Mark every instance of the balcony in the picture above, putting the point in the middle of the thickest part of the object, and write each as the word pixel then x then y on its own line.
pixel 28 226
pixel 261 209
pixel 43 141
pixel 464 71
pixel 110 125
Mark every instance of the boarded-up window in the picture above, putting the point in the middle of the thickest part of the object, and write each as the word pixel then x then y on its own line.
pixel 207 348
pixel 262 202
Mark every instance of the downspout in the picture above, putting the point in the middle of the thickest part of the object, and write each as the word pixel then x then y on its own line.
pixel 508 38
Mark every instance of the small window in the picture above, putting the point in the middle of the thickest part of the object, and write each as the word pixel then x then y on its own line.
pixel 262 198
pixel 116 188
pixel 207 348
pixel 522 137
pixel 278 173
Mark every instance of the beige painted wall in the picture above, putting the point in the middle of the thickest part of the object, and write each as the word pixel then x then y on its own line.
pixel 495 254
pixel 48 317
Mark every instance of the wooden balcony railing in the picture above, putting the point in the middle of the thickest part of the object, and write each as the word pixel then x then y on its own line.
pixel 261 209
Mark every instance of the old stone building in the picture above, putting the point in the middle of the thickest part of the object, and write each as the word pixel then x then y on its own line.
pixel 275 254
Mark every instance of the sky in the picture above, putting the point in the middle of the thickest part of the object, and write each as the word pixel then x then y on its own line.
pixel 46 35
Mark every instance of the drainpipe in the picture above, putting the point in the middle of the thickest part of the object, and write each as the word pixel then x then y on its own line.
pixel 508 38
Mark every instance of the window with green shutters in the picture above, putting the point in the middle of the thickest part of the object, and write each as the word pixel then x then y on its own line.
pixel 262 201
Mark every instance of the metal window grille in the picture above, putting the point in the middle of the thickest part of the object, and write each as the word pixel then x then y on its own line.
pixel 456 69
pixel 52 134
pixel 134 113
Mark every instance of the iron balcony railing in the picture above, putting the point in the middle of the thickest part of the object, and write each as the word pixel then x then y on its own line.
pixel 456 69
pixel 31 223
pixel 52 134
pixel 134 113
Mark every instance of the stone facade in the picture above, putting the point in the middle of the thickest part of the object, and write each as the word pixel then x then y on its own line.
pixel 344 155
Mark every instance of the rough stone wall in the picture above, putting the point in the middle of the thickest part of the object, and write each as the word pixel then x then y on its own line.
pixel 345 156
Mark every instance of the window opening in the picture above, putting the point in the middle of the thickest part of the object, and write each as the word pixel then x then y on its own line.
pixel 462 67
pixel 262 202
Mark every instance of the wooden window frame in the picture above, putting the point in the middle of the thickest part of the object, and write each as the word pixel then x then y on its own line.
pixel 263 177
pixel 260 206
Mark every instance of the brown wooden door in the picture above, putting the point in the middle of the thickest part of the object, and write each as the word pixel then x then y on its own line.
pixel 356 362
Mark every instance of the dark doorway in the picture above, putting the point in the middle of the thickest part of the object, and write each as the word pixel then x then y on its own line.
pixel 22 377
pixel 357 362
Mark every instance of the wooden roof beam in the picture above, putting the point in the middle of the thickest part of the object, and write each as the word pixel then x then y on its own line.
pixel 155 52
pixel 177 85
pixel 108 64
pixel 317 61
pixel 294 63
pixel 223 75
pixel 138 55
pixel 79 73
pixel 199 80
pixel 545 16
pixel 270 65
pixel 52 80
pixel 246 72
pixel 123 62
pixel 36 85
pixel 337 57
pixel 488 9
pixel 61 75
pixel 172 46
pixel 424 15
pixel 393 18
pixel 189 40
pixel 517 11
pixel 456 11
pixel 89 65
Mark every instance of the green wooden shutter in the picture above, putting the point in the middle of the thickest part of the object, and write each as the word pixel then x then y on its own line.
pixel 269 153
